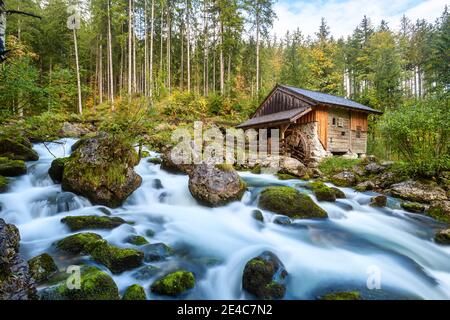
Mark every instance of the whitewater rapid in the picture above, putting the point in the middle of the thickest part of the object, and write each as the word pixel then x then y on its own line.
pixel 344 252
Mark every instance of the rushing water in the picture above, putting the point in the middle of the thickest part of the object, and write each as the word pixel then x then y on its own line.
pixel 356 245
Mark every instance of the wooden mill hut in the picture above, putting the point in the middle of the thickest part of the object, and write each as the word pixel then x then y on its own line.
pixel 313 125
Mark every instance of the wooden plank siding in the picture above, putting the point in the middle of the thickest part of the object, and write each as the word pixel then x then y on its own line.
pixel 359 119
pixel 280 101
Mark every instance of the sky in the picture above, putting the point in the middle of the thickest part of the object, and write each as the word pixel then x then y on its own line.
pixel 344 15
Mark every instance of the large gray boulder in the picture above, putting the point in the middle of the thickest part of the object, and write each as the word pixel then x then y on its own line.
pixel 16 282
pixel 102 170
pixel 418 192
pixel 216 185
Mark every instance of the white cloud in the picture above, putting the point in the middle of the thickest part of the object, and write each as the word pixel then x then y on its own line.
pixel 344 15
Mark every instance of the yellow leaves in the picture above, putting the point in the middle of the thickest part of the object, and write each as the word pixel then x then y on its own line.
pixel 19 50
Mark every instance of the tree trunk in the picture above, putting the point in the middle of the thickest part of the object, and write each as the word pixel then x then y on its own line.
pixel 130 48
pixel 100 71
pixel 169 49
pixel 110 59
pixel 152 26
pixel 80 106
pixel 257 56
pixel 222 71
pixel 188 47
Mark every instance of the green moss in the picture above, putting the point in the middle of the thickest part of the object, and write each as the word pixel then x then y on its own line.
pixel 3 184
pixel 351 295
pixel 174 283
pixel 17 148
pixel 323 192
pixel 256 169
pixel 95 285
pixel 155 160
pixel 137 240
pixel 134 292
pixel 115 259
pixel 437 212
pixel 333 165
pixel 77 243
pixel 285 176
pixel 77 223
pixel 413 207
pixel 12 168
pixel 42 267
pixel 225 167
pixel 288 201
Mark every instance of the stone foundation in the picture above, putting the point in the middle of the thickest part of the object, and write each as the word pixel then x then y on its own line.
pixel 316 150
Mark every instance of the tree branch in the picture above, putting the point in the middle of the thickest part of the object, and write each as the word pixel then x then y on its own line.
pixel 22 13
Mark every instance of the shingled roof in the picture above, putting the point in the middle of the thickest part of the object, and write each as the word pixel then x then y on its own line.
pixel 279 117
pixel 330 99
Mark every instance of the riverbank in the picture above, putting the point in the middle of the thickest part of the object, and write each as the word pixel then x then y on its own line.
pixel 222 243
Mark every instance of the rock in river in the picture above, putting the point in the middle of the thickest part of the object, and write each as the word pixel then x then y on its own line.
pixel 16 282
pixel 42 267
pixel 288 201
pixel 418 192
pixel 174 283
pixel 264 277
pixel 216 185
pixel 17 148
pixel 76 223
pixel 102 170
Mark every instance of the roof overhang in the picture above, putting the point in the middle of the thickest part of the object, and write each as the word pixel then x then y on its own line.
pixel 275 119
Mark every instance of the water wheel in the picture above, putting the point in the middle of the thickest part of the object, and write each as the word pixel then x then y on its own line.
pixel 297 146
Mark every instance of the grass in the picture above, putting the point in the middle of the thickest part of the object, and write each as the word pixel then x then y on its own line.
pixel 334 165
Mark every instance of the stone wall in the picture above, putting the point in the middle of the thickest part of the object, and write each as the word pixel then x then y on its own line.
pixel 310 133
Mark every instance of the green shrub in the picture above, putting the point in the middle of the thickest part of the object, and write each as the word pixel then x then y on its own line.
pixel 334 165
pixel 419 133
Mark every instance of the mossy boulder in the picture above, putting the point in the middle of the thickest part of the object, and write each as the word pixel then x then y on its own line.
pixel 443 237
pixel 57 169
pixel 77 243
pixel 378 201
pixel 42 267
pixel 12 168
pixel 339 193
pixel 256 169
pixel 264 277
pixel 345 179
pixel 137 240
pixel 95 285
pixel 440 210
pixel 3 184
pixel 102 170
pixel 157 252
pixel 17 148
pixel 258 215
pixel 323 192
pixel 134 292
pixel 216 185
pixel 174 283
pixel 365 186
pixel 349 295
pixel 115 259
pixel 76 223
pixel 288 201
pixel 413 207
pixel 286 176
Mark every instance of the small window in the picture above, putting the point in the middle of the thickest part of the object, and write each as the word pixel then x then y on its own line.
pixel 343 133
pixel 334 121
pixel 340 122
